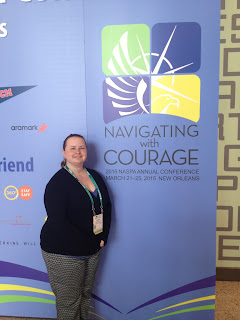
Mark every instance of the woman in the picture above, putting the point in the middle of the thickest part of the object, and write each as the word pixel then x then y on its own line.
pixel 78 221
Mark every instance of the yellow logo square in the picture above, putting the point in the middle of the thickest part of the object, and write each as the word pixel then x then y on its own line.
pixel 177 95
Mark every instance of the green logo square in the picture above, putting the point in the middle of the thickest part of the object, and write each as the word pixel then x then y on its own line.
pixel 126 49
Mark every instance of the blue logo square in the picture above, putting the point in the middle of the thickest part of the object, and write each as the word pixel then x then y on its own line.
pixel 176 48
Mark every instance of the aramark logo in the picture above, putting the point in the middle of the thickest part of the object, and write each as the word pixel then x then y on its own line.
pixel 34 127
pixel 138 73
pixel 7 93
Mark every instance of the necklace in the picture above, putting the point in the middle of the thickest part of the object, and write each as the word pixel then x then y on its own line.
pixel 80 175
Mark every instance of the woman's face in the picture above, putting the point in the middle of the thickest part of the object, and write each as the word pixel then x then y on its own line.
pixel 75 151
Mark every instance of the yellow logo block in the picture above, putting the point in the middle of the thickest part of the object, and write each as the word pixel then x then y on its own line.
pixel 177 95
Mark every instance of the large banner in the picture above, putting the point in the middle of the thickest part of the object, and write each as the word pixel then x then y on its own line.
pixel 42 100
pixel 140 80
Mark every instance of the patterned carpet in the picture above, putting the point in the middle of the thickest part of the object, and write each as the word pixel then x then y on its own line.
pixel 227 300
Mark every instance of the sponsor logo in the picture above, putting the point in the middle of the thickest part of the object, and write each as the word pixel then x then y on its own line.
pixel 14 243
pixel 137 73
pixel 11 243
pixel 3 30
pixel 17 221
pixel 42 128
pixel 7 93
pixel 25 192
pixel 34 127
pixel 16 166
pixel 26 1
pixel 12 193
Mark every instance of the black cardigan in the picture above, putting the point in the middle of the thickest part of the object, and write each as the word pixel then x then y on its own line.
pixel 69 227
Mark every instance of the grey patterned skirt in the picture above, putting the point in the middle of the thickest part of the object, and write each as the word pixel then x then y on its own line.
pixel 72 281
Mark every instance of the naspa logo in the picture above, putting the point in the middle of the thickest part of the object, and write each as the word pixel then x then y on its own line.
pixel 151 81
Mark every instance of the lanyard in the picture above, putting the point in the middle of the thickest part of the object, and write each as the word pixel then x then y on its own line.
pixel 88 192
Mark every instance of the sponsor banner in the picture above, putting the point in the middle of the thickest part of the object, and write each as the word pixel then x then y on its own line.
pixel 42 100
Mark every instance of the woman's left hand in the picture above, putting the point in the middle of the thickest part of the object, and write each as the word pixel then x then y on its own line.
pixel 102 243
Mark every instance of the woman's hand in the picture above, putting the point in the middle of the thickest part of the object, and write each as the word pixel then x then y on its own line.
pixel 102 243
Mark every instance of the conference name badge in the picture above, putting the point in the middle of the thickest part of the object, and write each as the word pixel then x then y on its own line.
pixel 98 223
